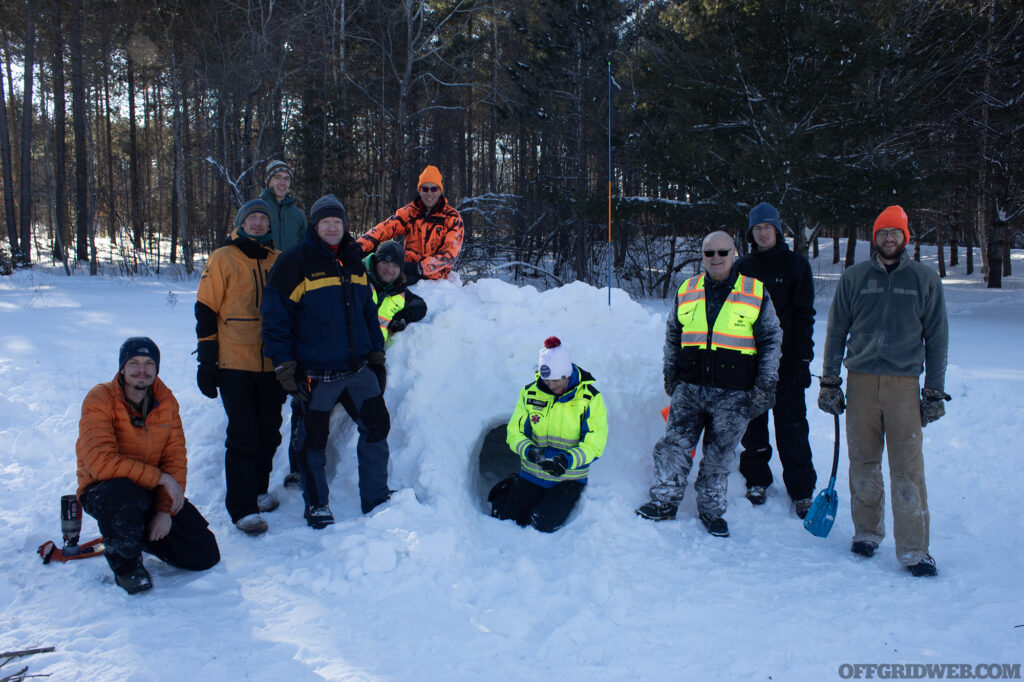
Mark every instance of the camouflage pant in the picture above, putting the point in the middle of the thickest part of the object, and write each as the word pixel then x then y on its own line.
pixel 721 414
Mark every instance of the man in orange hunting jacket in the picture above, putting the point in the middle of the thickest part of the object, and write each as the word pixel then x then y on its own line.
pixel 431 227
pixel 131 471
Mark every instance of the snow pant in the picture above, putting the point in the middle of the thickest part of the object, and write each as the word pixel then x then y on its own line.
pixel 885 412
pixel 721 413
pixel 529 504
pixel 123 509
pixel 361 397
pixel 790 416
pixel 252 401
pixel 293 450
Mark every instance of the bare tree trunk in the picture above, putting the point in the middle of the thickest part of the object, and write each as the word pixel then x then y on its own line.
pixel 5 158
pixel 851 245
pixel 111 194
pixel 60 133
pixel 134 177
pixel 179 165
pixel 25 253
pixel 835 246
pixel 81 149
pixel 940 238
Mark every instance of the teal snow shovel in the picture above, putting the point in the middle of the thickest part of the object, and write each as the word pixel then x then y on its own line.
pixel 822 513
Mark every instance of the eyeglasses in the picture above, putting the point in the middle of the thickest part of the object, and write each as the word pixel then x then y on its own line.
pixel 885 234
pixel 708 253
pixel 434 188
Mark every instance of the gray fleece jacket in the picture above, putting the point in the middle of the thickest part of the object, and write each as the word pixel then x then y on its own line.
pixel 889 323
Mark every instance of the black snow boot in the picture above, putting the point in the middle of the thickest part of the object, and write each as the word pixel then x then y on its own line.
pixel 757 494
pixel 716 525
pixel 865 548
pixel 925 568
pixel 135 581
pixel 803 505
pixel 657 511
pixel 318 517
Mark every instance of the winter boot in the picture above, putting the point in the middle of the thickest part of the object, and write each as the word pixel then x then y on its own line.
pixel 370 506
pixel 292 480
pixel 252 524
pixel 925 568
pixel 267 502
pixel 716 525
pixel 318 517
pixel 657 511
pixel 135 581
pixel 757 494
pixel 803 505
pixel 865 548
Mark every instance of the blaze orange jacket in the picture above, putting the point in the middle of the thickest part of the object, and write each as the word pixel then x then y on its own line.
pixel 110 446
pixel 431 239
pixel 228 304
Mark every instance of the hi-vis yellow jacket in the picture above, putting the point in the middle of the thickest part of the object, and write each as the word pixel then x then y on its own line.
pixel 574 424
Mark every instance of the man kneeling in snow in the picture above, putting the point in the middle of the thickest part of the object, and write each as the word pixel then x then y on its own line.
pixel 558 428
pixel 131 472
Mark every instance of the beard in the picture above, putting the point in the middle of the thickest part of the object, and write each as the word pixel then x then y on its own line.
pixel 892 253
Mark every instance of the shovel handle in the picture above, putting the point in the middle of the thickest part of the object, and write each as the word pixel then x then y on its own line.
pixel 835 455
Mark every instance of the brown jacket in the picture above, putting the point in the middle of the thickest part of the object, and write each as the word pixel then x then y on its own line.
pixel 109 446
pixel 431 239
pixel 228 304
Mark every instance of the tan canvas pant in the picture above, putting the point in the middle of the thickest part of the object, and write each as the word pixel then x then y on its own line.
pixel 885 412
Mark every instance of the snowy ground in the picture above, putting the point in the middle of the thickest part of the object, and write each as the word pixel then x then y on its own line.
pixel 429 587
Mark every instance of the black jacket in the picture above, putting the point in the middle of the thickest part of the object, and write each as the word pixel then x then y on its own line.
pixel 789 281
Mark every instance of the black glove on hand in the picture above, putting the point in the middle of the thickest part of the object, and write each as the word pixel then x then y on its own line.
pixel 831 398
pixel 376 360
pixel 762 398
pixel 555 466
pixel 534 454
pixel 396 325
pixel 206 378
pixel 931 405
pixel 801 377
pixel 412 271
pixel 291 383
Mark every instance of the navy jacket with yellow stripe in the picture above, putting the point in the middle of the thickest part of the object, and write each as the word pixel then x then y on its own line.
pixel 318 308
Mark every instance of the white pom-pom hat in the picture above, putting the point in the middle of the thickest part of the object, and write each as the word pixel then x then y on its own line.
pixel 555 362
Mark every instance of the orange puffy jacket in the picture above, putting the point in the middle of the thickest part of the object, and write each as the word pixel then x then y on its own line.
pixel 228 303
pixel 109 446
pixel 432 239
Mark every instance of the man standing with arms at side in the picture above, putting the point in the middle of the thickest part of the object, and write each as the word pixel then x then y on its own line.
pixel 720 367
pixel 431 227
pixel 888 318
pixel 287 229
pixel 787 277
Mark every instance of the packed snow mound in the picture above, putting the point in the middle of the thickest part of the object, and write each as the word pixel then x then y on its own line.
pixel 429 587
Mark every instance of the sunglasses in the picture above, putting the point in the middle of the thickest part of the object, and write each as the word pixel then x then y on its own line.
pixel 435 188
pixel 708 253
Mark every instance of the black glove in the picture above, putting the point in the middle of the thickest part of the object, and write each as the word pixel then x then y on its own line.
pixel 534 454
pixel 762 398
pixel 412 271
pixel 206 378
pixel 831 398
pixel 287 376
pixel 554 466
pixel 931 405
pixel 800 377
pixel 396 325
pixel 376 360
pixel 671 382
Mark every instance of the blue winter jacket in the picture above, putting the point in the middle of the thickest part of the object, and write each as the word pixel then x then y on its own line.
pixel 318 308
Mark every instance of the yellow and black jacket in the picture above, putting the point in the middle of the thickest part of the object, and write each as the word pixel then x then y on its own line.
pixel 574 424
pixel 228 320
pixel 318 307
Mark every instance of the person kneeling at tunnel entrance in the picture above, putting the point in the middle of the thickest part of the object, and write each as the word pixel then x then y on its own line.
pixel 558 429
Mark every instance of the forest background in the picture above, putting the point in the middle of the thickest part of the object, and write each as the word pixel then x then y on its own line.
pixel 571 133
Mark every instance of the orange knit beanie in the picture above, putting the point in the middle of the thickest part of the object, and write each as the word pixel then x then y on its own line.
pixel 892 217
pixel 430 174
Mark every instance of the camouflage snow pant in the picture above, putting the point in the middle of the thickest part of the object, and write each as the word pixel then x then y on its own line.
pixel 721 413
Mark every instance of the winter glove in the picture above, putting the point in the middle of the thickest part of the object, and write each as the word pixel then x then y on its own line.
pixel 762 398
pixel 800 377
pixel 555 466
pixel 396 325
pixel 534 454
pixel 206 378
pixel 293 385
pixel 931 405
pixel 376 360
pixel 831 398
pixel 671 382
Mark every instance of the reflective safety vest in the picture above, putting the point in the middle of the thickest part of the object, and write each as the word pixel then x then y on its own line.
pixel 387 306
pixel 574 423
pixel 724 355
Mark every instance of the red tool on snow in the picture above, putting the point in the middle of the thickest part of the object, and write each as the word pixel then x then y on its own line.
pixel 71 528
